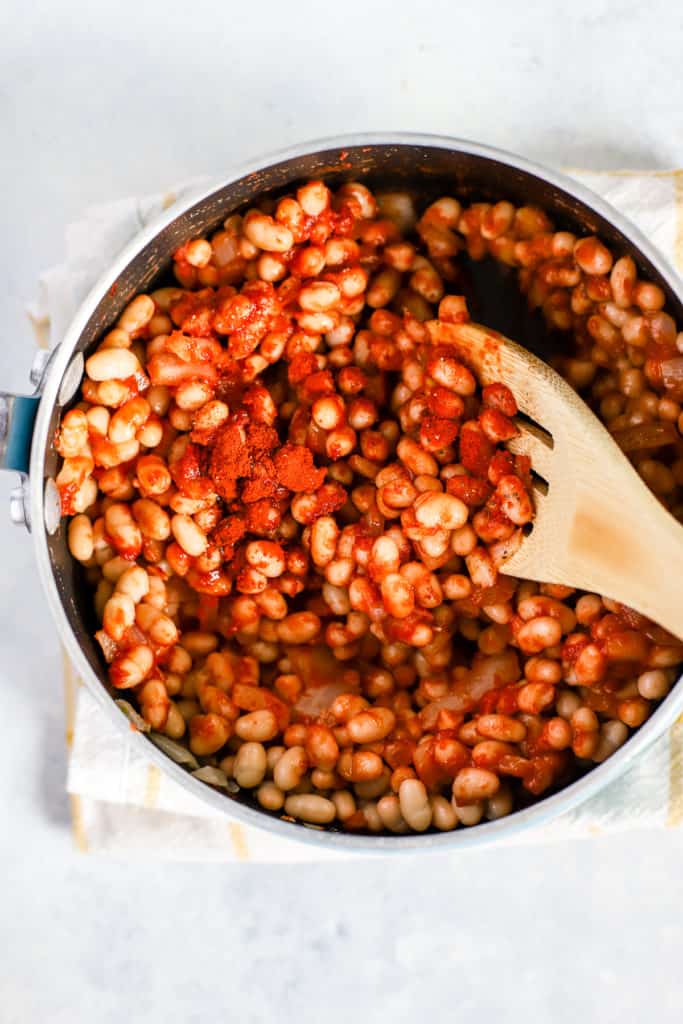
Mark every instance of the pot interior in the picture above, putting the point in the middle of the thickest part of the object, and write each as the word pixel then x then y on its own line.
pixel 427 171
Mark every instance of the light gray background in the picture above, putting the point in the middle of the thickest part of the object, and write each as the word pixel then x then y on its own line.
pixel 106 99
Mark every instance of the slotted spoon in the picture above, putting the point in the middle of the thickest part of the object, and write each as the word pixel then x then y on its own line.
pixel 597 526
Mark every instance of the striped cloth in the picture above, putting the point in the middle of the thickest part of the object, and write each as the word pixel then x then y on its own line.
pixel 122 804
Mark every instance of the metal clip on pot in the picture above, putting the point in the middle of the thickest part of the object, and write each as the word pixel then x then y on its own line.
pixel 17 415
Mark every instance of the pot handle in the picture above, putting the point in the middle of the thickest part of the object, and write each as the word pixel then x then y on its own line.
pixel 17 413
pixel 17 416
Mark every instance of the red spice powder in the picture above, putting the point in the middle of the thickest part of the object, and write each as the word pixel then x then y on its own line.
pixel 229 459
pixel 240 451
pixel 262 483
pixel 261 439
pixel 301 366
pixel 296 470
pixel 229 531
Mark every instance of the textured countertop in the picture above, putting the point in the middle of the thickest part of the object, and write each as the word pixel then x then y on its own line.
pixel 111 99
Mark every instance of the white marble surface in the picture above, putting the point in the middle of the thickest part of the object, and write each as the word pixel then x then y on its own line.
pixel 106 99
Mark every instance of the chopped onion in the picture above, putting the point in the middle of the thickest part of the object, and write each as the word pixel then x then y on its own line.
pixel 215 777
pixel 645 435
pixel 322 675
pixel 178 753
pixel 132 715
pixel 109 647
pixel 672 373
pixel 501 591
pixel 487 673
pixel 316 699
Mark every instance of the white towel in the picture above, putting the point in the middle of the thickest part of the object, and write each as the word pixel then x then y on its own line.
pixel 121 803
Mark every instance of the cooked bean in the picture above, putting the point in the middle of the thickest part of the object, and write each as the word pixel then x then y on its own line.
pixel 501 727
pixel 112 364
pixel 539 634
pixel 161 630
pixel 137 314
pixel 290 768
pixel 654 684
pixel 266 556
pixel 131 668
pixel 328 412
pixel 389 810
pixel 152 519
pixel 116 338
pixel 324 535
pixel 473 784
pixel 592 256
pixel 298 628
pixel 469 814
pixel 80 538
pixel 266 234
pixel 363 766
pixel 270 797
pixel 128 419
pixel 208 733
pixel 415 458
pixel 134 582
pixel 191 539
pixel 199 643
pixel 119 616
pixel 312 808
pixel 444 817
pixel 440 510
pixel 250 765
pixel 258 726
pixel 321 747
pixel 398 595
pixel 371 725
pixel 537 696
pixel 72 438
pixel 415 806
pixel 318 296
pixel 314 198
pixel 499 805
pixel 123 531
pixel 344 804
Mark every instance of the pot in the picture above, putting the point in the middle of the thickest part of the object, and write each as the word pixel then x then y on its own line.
pixel 431 165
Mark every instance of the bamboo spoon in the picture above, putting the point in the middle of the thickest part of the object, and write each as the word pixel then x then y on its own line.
pixel 597 526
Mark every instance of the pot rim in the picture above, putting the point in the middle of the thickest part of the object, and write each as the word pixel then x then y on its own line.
pixel 340 842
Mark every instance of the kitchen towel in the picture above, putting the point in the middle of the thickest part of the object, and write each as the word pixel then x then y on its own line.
pixel 124 805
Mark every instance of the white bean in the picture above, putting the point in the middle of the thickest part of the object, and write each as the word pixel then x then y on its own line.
pixel 317 810
pixel 414 803
pixel 250 765
pixel 191 539
pixel 112 364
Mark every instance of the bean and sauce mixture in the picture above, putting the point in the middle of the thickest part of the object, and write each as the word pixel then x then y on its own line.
pixel 293 502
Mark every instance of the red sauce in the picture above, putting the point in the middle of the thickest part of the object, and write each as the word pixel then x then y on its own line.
pixel 476 451
pixel 296 470
pixel 470 489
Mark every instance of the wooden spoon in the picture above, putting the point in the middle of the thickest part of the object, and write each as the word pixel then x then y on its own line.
pixel 597 526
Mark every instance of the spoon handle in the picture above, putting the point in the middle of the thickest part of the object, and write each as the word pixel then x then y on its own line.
pixel 615 541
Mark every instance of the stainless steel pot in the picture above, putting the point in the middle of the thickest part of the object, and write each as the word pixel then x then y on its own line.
pixel 430 165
